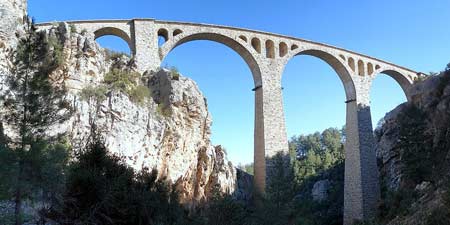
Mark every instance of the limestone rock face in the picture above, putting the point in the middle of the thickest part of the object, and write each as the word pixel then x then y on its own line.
pixel 432 96
pixel 388 155
pixel 12 13
pixel 169 133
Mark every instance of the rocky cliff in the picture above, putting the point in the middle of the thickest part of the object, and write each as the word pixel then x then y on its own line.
pixel 170 132
pixel 432 97
pixel 12 14
pixel 413 148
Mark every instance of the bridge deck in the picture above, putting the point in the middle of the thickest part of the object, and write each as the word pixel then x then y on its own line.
pixel 231 28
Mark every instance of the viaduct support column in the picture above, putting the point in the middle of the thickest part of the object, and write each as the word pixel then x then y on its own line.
pixel 145 39
pixel 361 188
pixel 270 130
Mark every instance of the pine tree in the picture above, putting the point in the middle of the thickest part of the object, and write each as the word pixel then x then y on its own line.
pixel 33 103
pixel 279 192
pixel 102 189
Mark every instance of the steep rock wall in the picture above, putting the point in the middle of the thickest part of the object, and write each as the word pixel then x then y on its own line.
pixel 12 14
pixel 430 204
pixel 171 133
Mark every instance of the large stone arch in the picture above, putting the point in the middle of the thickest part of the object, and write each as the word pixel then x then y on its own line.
pixel 338 66
pixel 221 39
pixel 401 79
pixel 361 176
pixel 104 31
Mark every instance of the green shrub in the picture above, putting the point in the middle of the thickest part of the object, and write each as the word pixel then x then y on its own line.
pixel 113 55
pixel 140 94
pixel 163 110
pixel 102 189
pixel 121 80
pixel 53 53
pixel 439 216
pixel 96 93
pixel 416 145
pixel 396 203
pixel 444 81
pixel 73 28
pixel 225 211
pixel 127 82
pixel 175 74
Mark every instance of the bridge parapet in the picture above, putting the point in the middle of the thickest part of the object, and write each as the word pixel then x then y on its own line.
pixel 258 43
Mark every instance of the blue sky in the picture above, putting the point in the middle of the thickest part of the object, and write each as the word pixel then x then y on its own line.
pixel 411 33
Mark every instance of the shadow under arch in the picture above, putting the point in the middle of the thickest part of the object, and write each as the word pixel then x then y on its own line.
pixel 227 41
pixel 338 67
pixel 115 32
pixel 401 80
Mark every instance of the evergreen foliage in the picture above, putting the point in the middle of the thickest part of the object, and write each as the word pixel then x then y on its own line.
pixel 94 94
pixel 102 189
pixel 224 210
pixel 315 153
pixel 416 145
pixel 288 197
pixel 33 163
pixel 33 101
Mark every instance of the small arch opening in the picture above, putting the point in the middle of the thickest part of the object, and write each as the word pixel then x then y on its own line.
pixel 386 93
pixel 177 32
pixel 306 113
pixel 342 57
pixel 227 65
pixel 370 68
pixel 114 45
pixel 270 49
pixel 242 37
pixel 163 36
pixel 114 39
pixel 283 49
pixel 256 43
pixel 377 67
pixel 351 63
pixel 294 46
pixel 360 68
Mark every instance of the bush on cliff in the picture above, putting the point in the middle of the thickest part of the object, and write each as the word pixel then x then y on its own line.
pixel 423 145
pixel 32 162
pixel 102 189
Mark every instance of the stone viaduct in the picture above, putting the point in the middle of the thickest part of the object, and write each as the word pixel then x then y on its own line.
pixel 266 55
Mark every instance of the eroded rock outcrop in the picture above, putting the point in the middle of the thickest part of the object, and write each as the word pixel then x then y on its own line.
pixel 427 195
pixel 170 132
pixel 432 97
pixel 12 14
